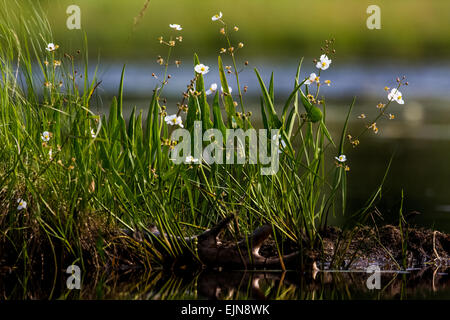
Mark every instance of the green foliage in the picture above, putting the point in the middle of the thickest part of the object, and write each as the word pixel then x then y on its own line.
pixel 117 172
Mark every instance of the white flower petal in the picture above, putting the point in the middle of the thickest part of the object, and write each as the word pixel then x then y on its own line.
pixel 190 159
pixel 176 26
pixel 45 136
pixel 212 88
pixel 174 120
pixel 216 16
pixel 230 90
pixel 22 204
pixel 341 158
pixel 324 62
pixel 201 68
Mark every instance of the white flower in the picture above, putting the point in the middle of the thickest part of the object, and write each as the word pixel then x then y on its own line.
pixel 324 62
pixel 277 140
pixel 201 68
pixel 312 78
pixel 174 120
pixel 45 136
pixel 176 26
pixel 341 158
pixel 93 135
pixel 22 204
pixel 230 90
pixel 396 95
pixel 50 154
pixel 216 16
pixel 212 89
pixel 51 47
pixel 191 159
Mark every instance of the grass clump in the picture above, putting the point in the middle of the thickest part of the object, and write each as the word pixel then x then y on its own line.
pixel 71 179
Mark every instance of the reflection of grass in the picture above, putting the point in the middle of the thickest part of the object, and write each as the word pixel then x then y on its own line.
pixel 157 285
pixel 410 28
pixel 96 173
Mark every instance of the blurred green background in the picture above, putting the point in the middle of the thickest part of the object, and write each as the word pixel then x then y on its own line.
pixel 410 29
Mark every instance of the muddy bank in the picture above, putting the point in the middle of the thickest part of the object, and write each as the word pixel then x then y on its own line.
pixel 339 262
pixel 106 249
pixel 388 247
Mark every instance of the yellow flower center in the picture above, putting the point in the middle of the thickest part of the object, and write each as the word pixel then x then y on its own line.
pixel 324 64
pixel 399 98
pixel 202 68
pixel 174 120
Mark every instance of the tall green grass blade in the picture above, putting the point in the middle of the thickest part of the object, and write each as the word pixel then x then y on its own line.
pixel 274 122
pixel 218 120
pixel 229 104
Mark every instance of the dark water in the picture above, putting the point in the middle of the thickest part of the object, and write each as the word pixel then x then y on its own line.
pixel 430 283
pixel 419 142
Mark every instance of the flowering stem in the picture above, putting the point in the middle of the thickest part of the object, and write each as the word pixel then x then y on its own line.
pixel 166 67
pixel 378 117
pixel 235 69
pixel 238 84
pixel 318 86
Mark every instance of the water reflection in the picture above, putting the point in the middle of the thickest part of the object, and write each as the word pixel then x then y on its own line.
pixel 429 283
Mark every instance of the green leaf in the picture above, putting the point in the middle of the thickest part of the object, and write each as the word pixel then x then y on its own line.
pixel 271 90
pixel 344 129
pixel 289 124
pixel 314 113
pixel 229 104
pixel 131 125
pixel 291 97
pixel 149 121
pixel 325 131
pixel 193 112
pixel 139 135
pixel 112 120
pixel 120 96
pixel 157 135
pixel 218 121
pixel 263 115
pixel 273 118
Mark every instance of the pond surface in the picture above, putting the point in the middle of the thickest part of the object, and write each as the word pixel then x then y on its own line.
pixel 361 78
pixel 427 283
